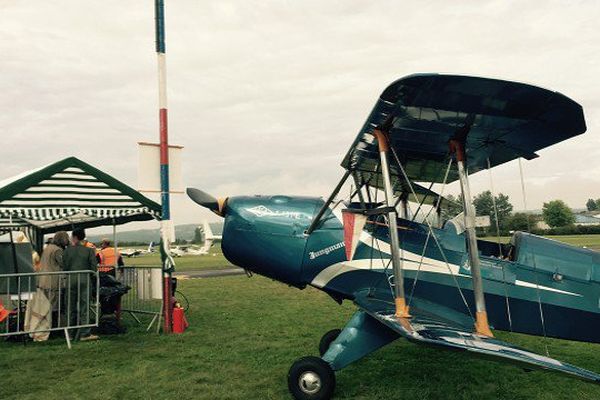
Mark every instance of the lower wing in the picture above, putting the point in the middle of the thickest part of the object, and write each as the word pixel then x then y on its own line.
pixel 428 328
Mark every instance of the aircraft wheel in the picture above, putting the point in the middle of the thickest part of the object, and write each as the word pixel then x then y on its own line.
pixel 311 378
pixel 327 339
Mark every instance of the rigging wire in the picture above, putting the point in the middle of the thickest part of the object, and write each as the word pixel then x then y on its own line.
pixel 427 194
pixel 414 285
pixel 539 298
pixel 535 272
pixel 439 199
pixel 374 243
pixel 421 202
pixel 439 246
pixel 506 298
pixel 372 237
pixel 524 196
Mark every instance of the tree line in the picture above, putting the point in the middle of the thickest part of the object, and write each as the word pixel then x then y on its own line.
pixel 556 214
pixel 593 205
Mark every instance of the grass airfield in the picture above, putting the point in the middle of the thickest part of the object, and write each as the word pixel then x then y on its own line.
pixel 244 335
pixel 213 260
pixel 590 241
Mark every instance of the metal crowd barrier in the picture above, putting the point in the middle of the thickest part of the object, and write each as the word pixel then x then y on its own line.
pixel 145 294
pixel 39 302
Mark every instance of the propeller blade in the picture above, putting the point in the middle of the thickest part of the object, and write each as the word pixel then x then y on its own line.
pixel 206 200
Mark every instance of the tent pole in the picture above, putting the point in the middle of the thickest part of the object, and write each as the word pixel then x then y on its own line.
pixel 115 245
pixel 14 252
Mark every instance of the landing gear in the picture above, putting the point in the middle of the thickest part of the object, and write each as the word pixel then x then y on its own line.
pixel 311 378
pixel 327 339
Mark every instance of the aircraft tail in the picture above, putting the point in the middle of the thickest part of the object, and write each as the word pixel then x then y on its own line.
pixel 208 233
pixel 209 237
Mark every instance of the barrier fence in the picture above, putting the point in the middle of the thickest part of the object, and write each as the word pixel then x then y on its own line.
pixel 145 294
pixel 38 303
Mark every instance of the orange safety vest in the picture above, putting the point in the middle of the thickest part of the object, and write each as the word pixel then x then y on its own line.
pixel 89 244
pixel 108 257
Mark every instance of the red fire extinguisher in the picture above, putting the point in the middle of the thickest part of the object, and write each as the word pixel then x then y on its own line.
pixel 3 312
pixel 179 322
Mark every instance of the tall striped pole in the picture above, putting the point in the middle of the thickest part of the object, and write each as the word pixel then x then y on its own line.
pixel 159 16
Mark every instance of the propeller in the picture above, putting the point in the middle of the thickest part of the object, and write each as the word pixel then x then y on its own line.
pixel 206 200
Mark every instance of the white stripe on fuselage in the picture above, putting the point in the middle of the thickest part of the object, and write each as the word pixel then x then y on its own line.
pixel 410 261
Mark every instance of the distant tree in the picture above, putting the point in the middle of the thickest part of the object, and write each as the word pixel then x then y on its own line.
pixel 452 206
pixel 198 237
pixel 180 241
pixel 597 204
pixel 592 205
pixel 484 205
pixel 519 222
pixel 556 214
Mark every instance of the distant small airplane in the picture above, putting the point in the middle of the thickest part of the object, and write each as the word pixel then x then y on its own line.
pixel 137 252
pixel 177 251
pixel 439 285
pixel 209 239
pixel 190 249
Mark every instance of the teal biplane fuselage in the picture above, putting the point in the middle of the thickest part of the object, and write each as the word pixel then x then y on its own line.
pixel 433 285
pixel 266 235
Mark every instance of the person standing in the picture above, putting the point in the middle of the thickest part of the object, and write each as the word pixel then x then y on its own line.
pixel 109 257
pixel 80 258
pixel 52 261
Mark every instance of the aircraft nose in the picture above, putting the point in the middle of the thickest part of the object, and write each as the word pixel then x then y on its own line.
pixel 265 234
pixel 216 205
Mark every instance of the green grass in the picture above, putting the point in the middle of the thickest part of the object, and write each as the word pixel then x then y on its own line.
pixel 213 260
pixel 589 241
pixel 244 335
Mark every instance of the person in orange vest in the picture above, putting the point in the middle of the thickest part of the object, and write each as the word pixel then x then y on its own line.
pixel 108 257
pixel 89 244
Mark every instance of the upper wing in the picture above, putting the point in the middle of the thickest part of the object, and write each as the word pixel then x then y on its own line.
pixel 506 120
pixel 428 328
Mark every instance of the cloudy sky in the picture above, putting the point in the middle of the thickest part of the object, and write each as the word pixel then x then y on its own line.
pixel 267 96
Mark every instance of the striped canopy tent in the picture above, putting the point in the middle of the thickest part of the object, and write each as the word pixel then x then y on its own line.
pixel 66 194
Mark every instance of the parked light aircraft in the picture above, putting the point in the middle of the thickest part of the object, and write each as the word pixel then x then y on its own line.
pixel 434 285
pixel 177 251
pixel 209 239
pixel 137 252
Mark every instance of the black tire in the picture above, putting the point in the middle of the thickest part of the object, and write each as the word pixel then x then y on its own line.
pixel 303 386
pixel 327 339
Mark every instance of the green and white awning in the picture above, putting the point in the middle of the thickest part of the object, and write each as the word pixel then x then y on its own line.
pixel 70 192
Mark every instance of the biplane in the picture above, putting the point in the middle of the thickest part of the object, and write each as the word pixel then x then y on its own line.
pixel 431 281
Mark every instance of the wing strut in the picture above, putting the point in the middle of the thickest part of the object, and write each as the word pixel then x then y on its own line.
pixel 319 215
pixel 402 310
pixel 457 147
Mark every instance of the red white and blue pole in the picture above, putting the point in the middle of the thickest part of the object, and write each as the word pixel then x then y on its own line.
pixel 159 14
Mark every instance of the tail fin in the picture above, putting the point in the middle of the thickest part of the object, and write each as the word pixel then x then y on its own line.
pixel 208 233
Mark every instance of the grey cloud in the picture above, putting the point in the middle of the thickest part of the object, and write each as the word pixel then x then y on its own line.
pixel 267 96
